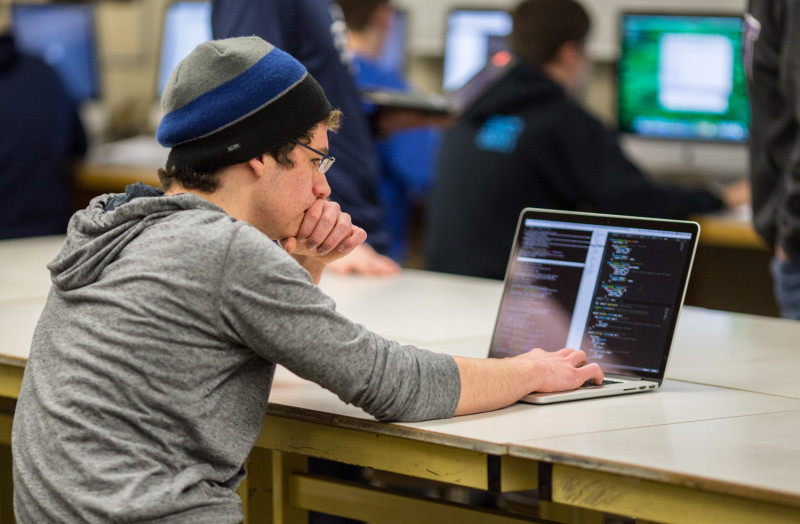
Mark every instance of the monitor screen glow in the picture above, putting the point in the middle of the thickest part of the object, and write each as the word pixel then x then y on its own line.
pixel 63 35
pixel 187 24
pixel 682 77
pixel 471 38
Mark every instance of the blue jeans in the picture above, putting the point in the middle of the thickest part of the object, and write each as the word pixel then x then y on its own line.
pixel 787 287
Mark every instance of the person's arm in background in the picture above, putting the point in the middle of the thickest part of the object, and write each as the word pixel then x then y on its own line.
pixel 613 184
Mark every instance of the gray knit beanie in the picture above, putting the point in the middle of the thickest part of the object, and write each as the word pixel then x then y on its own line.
pixel 232 100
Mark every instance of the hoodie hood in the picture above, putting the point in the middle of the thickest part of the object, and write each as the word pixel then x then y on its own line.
pixel 524 86
pixel 98 233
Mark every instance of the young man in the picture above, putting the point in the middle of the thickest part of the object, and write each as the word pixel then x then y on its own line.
pixel 151 366
pixel 773 55
pixel 527 142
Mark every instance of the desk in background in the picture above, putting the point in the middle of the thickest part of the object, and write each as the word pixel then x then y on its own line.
pixel 716 443
pixel 109 167
pixel 731 267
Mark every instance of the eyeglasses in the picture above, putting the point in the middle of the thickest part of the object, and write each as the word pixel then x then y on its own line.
pixel 325 162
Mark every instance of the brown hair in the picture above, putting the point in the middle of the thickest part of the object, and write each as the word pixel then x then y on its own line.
pixel 208 182
pixel 541 27
pixel 358 12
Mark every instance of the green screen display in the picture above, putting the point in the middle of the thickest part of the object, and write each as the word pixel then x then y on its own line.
pixel 682 77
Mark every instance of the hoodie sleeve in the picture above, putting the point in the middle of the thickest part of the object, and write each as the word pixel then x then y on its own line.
pixel 269 304
pixel 611 183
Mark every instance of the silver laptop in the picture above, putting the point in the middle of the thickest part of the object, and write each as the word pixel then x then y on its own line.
pixel 452 103
pixel 611 286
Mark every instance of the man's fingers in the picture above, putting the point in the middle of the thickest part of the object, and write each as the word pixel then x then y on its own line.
pixel 591 372
pixel 340 232
pixel 310 220
pixel 331 227
pixel 288 244
pixel 578 359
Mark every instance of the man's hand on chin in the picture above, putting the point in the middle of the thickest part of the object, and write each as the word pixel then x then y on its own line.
pixel 325 235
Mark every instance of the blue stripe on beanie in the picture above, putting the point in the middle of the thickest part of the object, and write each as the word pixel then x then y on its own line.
pixel 267 80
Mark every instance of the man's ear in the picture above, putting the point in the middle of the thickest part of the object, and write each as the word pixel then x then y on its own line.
pixel 570 55
pixel 258 164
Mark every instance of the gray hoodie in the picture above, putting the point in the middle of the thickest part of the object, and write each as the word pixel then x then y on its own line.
pixel 152 362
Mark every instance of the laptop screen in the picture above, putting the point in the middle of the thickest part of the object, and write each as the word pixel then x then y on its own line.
pixel 611 286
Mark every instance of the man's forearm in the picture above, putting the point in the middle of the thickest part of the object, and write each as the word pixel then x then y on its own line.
pixel 492 383
pixel 488 384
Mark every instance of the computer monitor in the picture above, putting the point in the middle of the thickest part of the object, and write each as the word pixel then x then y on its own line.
pixel 187 24
pixel 394 52
pixel 64 36
pixel 681 76
pixel 471 37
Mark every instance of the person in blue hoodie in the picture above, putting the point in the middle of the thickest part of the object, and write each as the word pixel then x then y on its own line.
pixel 528 142
pixel 406 155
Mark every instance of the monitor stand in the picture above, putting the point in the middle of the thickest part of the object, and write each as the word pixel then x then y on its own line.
pixel 710 161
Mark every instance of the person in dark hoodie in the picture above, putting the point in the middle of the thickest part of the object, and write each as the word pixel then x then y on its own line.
pixel 152 362
pixel 772 57
pixel 40 137
pixel 527 142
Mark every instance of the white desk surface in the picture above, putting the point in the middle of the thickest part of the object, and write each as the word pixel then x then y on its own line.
pixel 418 306
pixel 23 268
pixel 743 454
pixel 737 351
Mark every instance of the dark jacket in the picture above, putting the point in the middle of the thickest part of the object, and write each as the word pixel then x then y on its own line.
pixel 527 144
pixel 313 32
pixel 774 83
pixel 40 136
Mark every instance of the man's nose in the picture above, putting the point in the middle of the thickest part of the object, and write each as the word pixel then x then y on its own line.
pixel 321 187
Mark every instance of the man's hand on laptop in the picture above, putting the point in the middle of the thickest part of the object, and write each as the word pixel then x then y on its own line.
pixel 493 383
pixel 560 370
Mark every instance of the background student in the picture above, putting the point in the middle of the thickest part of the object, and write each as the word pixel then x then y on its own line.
pixel 528 142
pixel 408 140
pixel 773 55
